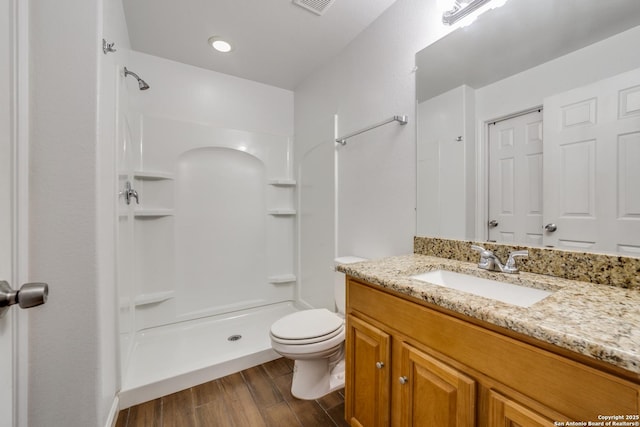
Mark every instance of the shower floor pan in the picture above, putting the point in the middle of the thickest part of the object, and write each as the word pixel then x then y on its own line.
pixel 170 358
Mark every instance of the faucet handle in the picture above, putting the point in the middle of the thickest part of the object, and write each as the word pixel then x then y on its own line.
pixel 510 266
pixel 486 263
pixel 478 248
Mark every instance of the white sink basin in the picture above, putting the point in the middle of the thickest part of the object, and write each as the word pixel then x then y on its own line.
pixel 505 292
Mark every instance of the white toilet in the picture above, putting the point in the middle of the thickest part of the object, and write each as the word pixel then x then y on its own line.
pixel 314 339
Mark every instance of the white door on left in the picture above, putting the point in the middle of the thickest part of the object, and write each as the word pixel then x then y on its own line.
pixel 12 383
pixel 6 259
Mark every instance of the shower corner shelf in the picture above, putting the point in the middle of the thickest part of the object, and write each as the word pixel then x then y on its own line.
pixel 282 278
pixel 149 213
pixel 282 212
pixel 152 175
pixel 282 182
pixel 153 298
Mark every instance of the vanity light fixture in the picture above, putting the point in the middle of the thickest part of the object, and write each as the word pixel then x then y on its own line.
pixel 219 44
pixel 460 9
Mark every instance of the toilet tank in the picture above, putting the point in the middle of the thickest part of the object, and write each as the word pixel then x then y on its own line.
pixel 339 291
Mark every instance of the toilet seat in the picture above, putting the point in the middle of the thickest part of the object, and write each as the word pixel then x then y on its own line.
pixel 316 350
pixel 307 327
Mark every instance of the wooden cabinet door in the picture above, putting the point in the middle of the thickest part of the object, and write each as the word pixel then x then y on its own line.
pixel 504 412
pixel 368 365
pixel 433 394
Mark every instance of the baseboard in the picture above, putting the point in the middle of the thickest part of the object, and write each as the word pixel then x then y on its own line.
pixel 113 413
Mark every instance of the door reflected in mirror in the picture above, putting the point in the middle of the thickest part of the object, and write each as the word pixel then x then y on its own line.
pixel 529 127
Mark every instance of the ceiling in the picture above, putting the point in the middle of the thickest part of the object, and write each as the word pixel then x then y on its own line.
pixel 275 42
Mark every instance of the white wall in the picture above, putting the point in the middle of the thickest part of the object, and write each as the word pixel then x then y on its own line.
pixel 114 30
pixel 72 339
pixel 371 80
pixel 184 92
pixel 65 368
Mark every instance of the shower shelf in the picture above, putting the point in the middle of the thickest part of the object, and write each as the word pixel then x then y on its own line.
pixel 282 182
pixel 153 212
pixel 282 278
pixel 282 212
pixel 153 298
pixel 152 175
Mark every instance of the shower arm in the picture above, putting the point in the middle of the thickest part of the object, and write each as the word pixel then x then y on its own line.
pixel 127 72
pixel 142 85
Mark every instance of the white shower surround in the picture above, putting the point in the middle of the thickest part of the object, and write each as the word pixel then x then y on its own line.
pixel 210 233
pixel 210 249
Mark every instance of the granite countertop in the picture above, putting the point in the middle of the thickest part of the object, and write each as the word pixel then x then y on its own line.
pixel 599 321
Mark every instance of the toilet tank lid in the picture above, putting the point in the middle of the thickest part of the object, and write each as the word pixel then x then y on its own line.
pixel 348 260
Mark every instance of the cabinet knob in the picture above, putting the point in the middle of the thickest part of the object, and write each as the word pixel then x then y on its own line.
pixel 403 380
pixel 379 365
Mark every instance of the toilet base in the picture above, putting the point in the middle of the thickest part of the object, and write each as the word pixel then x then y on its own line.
pixel 313 379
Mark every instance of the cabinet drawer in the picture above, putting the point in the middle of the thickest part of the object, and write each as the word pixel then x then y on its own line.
pixel 565 385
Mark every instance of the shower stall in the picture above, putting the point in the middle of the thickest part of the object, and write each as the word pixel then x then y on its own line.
pixel 206 244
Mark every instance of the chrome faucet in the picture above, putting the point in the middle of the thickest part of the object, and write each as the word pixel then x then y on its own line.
pixel 129 193
pixel 489 261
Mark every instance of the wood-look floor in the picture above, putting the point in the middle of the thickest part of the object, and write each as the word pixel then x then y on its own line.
pixel 256 397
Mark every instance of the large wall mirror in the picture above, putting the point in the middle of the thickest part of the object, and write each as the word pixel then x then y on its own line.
pixel 529 127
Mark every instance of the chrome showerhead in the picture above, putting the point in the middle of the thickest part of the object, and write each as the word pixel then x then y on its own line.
pixel 142 85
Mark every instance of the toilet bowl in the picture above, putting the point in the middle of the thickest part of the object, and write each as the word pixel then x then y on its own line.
pixel 314 339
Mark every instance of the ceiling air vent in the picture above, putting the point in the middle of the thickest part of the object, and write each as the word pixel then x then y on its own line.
pixel 316 6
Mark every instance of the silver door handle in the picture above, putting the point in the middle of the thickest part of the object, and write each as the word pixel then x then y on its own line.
pixel 29 295
pixel 550 227
pixel 493 223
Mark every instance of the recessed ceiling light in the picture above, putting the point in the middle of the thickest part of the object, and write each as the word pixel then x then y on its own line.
pixel 219 44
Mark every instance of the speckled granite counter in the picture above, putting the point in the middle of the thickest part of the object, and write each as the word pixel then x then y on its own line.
pixel 602 322
pixel 607 269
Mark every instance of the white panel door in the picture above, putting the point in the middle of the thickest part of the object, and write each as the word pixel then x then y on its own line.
pixel 6 322
pixel 591 158
pixel 515 180
pixel 6 326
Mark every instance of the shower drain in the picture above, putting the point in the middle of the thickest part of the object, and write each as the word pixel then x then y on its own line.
pixel 234 337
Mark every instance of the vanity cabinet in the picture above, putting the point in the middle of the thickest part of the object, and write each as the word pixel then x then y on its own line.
pixel 410 363
pixel 368 376
pixel 433 393
pixel 507 412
